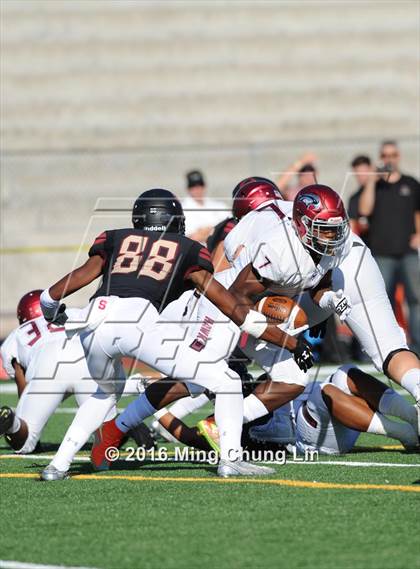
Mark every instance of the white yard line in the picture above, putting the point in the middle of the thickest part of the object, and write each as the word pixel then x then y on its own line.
pixel 288 462
pixel 40 457
pixel 344 463
pixel 20 565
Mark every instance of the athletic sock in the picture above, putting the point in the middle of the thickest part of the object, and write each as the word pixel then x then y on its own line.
pixel 15 426
pixel 73 441
pixel 404 432
pixel 135 413
pixel 411 382
pixel 228 413
pixel 88 418
pixel 188 405
pixel 391 403
pixel 253 408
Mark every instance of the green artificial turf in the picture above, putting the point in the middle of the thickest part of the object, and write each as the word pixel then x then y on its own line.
pixel 205 523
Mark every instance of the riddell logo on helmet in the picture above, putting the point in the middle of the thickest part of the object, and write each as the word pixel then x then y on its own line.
pixel 154 227
pixel 310 200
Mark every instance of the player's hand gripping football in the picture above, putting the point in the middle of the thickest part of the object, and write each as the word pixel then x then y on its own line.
pixel 303 354
pixel 336 301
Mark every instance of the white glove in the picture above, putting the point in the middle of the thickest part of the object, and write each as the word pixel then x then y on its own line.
pixel 336 301
pixel 52 310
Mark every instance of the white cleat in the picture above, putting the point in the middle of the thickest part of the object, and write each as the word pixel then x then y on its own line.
pixel 51 474
pixel 229 468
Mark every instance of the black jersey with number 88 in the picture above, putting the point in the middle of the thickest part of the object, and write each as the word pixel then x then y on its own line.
pixel 148 264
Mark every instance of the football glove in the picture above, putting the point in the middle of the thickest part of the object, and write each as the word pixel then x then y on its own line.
pixel 58 317
pixel 53 310
pixel 303 354
pixel 336 301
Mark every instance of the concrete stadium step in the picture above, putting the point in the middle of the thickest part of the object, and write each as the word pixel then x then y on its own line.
pixel 161 19
pixel 105 85
pixel 78 73
pixel 33 57
pixel 170 130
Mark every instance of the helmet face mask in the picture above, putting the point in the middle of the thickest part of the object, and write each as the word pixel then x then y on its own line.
pixel 320 220
pixel 159 210
pixel 326 237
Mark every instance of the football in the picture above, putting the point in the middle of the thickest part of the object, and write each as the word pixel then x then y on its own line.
pixel 282 309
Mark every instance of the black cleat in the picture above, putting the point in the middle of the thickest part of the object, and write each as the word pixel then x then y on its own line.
pixel 143 436
pixel 7 416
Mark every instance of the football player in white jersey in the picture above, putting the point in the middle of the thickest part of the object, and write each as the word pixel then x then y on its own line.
pixel 329 416
pixel 271 257
pixel 46 367
pixel 371 319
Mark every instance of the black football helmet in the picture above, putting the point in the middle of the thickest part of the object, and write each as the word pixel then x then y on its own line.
pixel 159 210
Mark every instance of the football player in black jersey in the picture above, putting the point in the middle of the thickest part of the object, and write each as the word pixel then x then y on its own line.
pixel 143 269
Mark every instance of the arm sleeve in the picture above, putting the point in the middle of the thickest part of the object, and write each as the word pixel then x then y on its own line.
pixel 199 259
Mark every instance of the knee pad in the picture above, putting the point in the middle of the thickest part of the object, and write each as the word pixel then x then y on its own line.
pixel 389 357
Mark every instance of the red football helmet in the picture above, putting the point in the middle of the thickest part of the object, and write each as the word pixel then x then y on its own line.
pixel 251 193
pixel 29 306
pixel 320 219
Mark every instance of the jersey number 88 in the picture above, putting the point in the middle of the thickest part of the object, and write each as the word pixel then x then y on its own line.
pixel 159 261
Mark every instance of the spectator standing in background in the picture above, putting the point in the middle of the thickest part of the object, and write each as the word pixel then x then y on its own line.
pixel 392 205
pixel 364 174
pixel 305 170
pixel 201 213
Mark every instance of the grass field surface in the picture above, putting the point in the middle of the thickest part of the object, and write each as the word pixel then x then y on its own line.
pixel 357 511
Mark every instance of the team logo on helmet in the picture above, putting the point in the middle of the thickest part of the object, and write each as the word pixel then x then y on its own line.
pixel 311 201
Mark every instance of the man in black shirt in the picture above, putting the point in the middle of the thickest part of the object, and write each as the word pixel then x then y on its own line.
pixel 392 205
